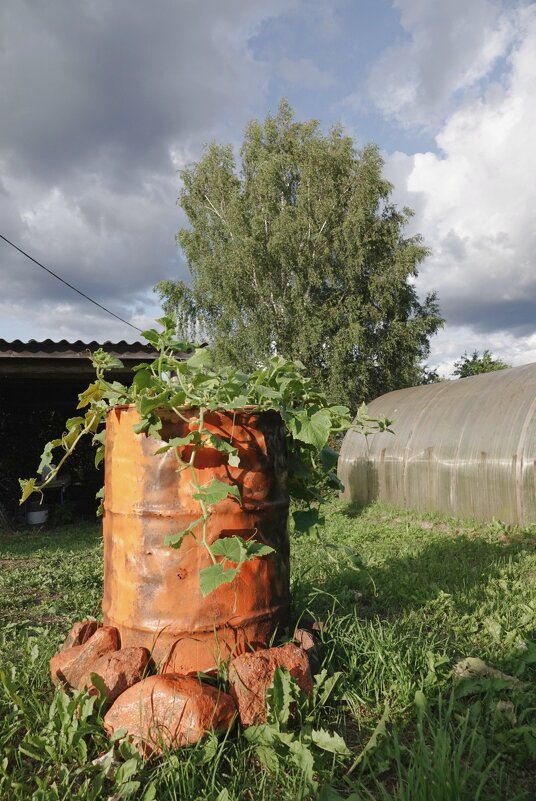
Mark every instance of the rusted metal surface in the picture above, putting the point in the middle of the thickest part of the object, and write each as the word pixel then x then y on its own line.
pixel 151 591
pixel 466 448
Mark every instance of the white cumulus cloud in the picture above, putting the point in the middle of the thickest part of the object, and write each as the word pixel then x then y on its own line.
pixel 449 47
pixel 475 204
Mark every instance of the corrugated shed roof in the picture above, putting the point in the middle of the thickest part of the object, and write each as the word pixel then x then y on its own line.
pixel 72 350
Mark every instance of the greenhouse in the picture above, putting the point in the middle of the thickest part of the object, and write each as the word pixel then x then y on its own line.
pixel 466 448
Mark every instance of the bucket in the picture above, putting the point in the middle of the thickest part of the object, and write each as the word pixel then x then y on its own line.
pixel 152 591
pixel 36 515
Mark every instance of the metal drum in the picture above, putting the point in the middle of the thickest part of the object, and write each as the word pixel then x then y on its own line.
pixel 151 591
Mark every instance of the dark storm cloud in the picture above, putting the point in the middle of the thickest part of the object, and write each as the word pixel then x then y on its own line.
pixel 485 317
pixel 116 82
pixel 102 103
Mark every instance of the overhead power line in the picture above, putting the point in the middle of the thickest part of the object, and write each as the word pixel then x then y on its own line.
pixel 63 281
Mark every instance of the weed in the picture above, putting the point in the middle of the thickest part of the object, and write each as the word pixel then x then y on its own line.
pixel 400 606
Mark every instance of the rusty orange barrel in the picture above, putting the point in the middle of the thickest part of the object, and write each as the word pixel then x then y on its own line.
pixel 151 591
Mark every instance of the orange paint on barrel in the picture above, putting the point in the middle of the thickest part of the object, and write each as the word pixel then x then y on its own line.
pixel 151 591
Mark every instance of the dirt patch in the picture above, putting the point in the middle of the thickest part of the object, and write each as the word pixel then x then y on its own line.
pixel 17 563
pixel 42 597
pixel 52 619
pixel 444 528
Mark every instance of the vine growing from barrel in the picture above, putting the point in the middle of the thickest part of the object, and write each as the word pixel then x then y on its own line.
pixel 184 380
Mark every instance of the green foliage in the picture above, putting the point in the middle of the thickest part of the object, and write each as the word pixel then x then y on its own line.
pixel 476 364
pixel 430 592
pixel 299 251
pixel 428 376
pixel 290 734
pixel 191 388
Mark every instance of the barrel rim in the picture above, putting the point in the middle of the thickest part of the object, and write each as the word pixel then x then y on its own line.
pixel 249 410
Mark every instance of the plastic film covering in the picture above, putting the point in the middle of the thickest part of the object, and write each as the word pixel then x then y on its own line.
pixel 466 448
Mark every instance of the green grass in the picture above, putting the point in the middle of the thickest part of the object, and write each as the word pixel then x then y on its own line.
pixel 402 598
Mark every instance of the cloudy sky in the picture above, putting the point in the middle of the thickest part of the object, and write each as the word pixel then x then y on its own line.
pixel 104 101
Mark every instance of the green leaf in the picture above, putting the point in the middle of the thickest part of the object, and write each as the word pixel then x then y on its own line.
pixel 231 548
pixel 324 686
pixel 74 422
pixel 7 681
pixel 100 437
pixel 114 363
pixel 328 793
pixel 175 540
pixel 34 747
pixel 255 549
pixel 279 695
pixel 378 732
pixel 101 360
pixel 207 749
pixel 99 455
pixel 143 379
pixel 100 496
pixel 126 771
pixel 264 733
pixel 201 358
pixel 267 756
pixel 304 760
pixel 305 520
pixel 154 428
pixel 150 792
pixel 237 550
pixel 28 487
pixel 142 426
pixel 152 336
pixel 225 447
pixel 129 789
pixel 210 578
pixel 98 682
pixel 177 442
pixel 237 402
pixel 46 456
pixel 420 700
pixel 313 429
pixel 178 399
pixel 69 439
pixel 329 741
pixel 216 491
pixel 149 404
pixel 343 411
pixel 328 458
pixel 267 392
pixel 93 393
pixel 168 323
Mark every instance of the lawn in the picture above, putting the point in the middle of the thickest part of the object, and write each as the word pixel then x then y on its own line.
pixel 402 599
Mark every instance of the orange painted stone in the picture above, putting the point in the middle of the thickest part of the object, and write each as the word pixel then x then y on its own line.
pixel 69 666
pixel 312 646
pixel 118 670
pixel 251 674
pixel 80 633
pixel 169 711
pixel 305 639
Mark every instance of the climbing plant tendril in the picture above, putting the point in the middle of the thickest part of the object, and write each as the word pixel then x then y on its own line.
pixel 191 388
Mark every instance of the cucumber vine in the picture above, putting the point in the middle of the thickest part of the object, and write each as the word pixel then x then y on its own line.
pixel 191 387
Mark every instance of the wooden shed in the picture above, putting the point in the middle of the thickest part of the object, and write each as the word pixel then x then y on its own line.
pixel 39 387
